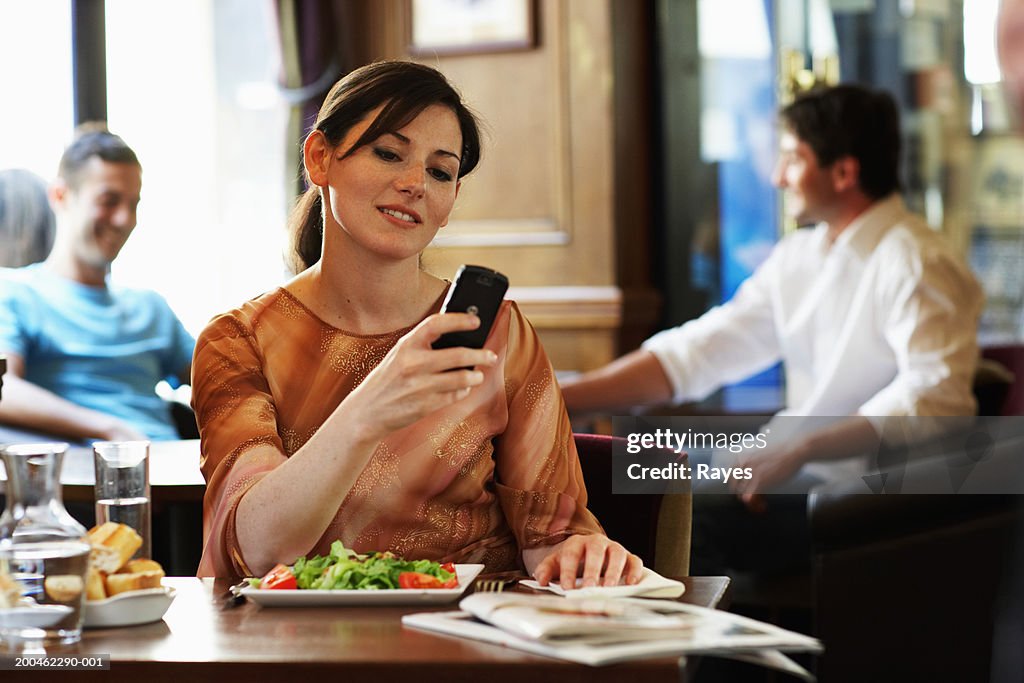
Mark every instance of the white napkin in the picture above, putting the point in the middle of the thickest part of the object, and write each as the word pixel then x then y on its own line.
pixel 652 585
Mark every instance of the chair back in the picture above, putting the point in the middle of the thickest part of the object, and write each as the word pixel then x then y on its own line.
pixel 999 381
pixel 654 526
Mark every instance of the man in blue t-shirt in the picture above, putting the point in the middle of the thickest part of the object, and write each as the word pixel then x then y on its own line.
pixel 84 356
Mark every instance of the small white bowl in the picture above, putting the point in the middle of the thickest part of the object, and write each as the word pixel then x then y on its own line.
pixel 33 616
pixel 129 609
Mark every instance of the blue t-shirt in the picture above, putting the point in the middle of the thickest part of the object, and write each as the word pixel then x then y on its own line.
pixel 102 348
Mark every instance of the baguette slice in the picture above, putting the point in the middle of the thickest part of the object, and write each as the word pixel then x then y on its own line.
pixel 104 558
pixel 122 583
pixel 94 588
pixel 63 587
pixel 121 537
pixel 10 591
pixel 141 565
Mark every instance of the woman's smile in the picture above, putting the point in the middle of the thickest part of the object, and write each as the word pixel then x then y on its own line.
pixel 403 217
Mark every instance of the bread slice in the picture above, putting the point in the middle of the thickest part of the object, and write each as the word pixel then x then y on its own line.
pixel 63 587
pixel 104 558
pixel 122 583
pixel 141 565
pixel 94 588
pixel 10 591
pixel 121 538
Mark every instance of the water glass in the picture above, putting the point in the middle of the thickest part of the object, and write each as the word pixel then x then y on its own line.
pixel 122 487
pixel 43 554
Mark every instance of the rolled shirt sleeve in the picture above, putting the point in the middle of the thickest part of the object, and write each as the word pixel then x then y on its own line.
pixel 727 344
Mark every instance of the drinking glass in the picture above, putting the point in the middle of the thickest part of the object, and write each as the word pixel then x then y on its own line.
pixel 43 554
pixel 122 487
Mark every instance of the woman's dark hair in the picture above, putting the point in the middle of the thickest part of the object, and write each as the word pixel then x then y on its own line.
pixel 92 139
pixel 851 120
pixel 405 89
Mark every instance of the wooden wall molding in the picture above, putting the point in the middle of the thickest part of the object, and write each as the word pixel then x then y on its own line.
pixel 566 308
pixel 515 232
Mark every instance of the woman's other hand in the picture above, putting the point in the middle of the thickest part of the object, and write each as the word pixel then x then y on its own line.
pixel 602 561
pixel 414 379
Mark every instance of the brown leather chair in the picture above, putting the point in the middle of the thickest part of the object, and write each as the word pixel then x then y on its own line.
pixel 995 384
pixel 906 586
pixel 656 527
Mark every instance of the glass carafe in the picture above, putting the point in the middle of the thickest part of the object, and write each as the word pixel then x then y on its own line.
pixel 44 553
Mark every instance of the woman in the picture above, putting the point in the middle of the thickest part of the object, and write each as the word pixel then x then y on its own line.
pixel 324 412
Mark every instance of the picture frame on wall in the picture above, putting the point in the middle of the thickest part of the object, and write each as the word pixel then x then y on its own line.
pixel 453 27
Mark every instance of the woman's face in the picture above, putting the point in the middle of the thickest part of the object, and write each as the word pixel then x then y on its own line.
pixel 390 197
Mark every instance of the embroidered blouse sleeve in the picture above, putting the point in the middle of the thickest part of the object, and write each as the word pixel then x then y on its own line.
pixel 235 412
pixel 538 477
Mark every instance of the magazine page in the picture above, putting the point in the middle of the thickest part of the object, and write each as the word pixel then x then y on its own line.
pixel 621 620
pixel 547 617
pixel 465 625
pixel 724 635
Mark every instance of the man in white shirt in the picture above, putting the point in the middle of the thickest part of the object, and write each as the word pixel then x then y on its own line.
pixel 870 311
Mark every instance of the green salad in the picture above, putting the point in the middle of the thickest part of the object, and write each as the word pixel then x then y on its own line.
pixel 343 569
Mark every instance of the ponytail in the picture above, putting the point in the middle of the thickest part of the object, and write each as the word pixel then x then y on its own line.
pixel 305 229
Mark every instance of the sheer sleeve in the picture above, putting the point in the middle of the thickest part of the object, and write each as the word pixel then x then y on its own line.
pixel 538 477
pixel 235 412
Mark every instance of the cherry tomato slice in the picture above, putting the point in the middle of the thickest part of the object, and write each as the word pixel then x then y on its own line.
pixel 279 578
pixel 418 580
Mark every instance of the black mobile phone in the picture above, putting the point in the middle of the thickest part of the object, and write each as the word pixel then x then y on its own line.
pixel 479 291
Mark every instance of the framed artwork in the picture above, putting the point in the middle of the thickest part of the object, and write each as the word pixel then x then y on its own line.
pixel 449 27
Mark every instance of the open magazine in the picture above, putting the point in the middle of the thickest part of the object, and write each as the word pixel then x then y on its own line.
pixel 603 631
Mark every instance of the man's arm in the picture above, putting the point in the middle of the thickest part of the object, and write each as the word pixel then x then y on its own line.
pixel 633 380
pixel 29 406
pixel 849 437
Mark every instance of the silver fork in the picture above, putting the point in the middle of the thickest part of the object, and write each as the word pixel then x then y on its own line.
pixel 493 585
pixel 233 597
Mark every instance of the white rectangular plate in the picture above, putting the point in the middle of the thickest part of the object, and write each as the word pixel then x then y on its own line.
pixel 398 596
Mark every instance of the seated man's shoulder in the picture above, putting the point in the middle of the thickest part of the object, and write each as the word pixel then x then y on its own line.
pixel 914 241
pixel 139 296
pixel 913 252
pixel 24 282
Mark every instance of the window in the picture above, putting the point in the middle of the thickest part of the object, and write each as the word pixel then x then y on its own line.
pixel 37 116
pixel 191 86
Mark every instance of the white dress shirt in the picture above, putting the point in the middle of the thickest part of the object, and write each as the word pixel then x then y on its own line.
pixel 881 323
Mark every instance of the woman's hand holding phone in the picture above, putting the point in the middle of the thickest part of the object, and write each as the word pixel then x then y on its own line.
pixel 415 379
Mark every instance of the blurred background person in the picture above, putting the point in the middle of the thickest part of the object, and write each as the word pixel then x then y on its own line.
pixel 871 312
pixel 83 355
pixel 27 223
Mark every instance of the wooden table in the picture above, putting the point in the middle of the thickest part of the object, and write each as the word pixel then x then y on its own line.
pixel 197 641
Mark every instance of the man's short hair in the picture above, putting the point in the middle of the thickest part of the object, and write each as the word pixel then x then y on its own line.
pixel 92 139
pixel 851 120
